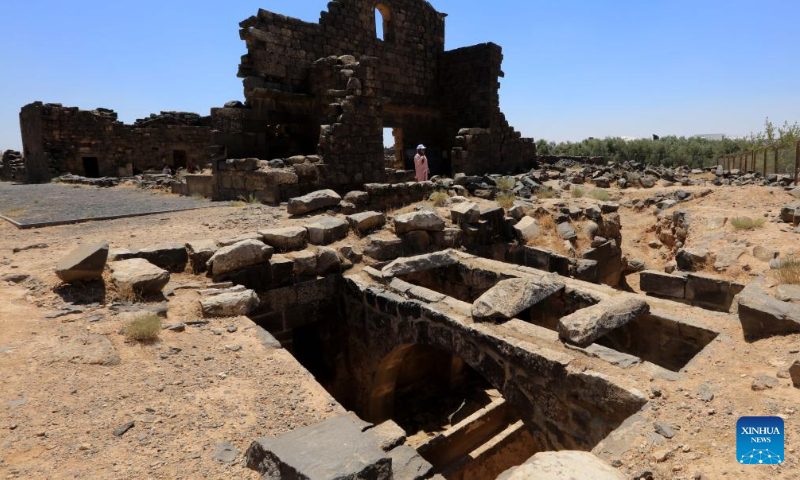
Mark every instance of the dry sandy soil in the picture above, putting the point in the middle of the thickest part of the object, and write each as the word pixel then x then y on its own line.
pixel 190 391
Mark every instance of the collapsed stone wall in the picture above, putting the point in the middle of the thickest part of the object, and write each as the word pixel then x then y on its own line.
pixel 427 95
pixel 58 139
pixel 469 85
pixel 281 180
pixel 12 166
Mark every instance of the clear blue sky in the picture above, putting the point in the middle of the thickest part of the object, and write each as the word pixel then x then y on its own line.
pixel 574 68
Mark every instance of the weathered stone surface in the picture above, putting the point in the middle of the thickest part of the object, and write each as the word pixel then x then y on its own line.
pixel 662 284
pixel 84 263
pixel 448 238
pixel 200 252
pixel 788 293
pixel 326 230
pixel 328 261
pixel 794 373
pixel 566 232
pixel 313 201
pixel 88 349
pixel 510 297
pixel 729 256
pixel 416 242
pixel 762 315
pixel 229 304
pixel 764 254
pixel 305 263
pixel 384 249
pixel 138 275
pixel 366 221
pixel 239 255
pixel 692 259
pixel 588 324
pixel 408 464
pixel 424 220
pixel 563 465
pixel 169 256
pixel 404 266
pixel 285 239
pixel 527 229
pixel 465 212
pixel 710 292
pixel 339 450
pixel 387 435
pixel 225 452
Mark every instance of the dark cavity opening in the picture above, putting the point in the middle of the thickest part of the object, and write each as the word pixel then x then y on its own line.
pixel 665 342
pixel 91 167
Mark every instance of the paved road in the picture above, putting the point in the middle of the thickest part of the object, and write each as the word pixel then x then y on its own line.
pixel 46 204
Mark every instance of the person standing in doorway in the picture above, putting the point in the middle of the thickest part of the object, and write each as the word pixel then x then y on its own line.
pixel 421 164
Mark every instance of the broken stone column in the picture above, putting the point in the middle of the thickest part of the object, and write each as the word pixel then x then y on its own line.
pixel 510 297
pixel 585 326
pixel 84 263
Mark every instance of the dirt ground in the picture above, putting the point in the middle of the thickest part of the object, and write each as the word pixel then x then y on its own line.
pixel 194 389
pixel 57 419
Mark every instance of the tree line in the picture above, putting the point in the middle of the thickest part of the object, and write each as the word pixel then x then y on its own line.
pixel 695 152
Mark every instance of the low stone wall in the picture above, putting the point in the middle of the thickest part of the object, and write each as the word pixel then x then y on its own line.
pixel 287 308
pixel 692 288
pixel 276 181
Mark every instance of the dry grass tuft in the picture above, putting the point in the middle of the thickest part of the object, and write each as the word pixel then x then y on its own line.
pixel 126 294
pixel 506 183
pixel 144 329
pixel 747 223
pixel 788 272
pixel 439 199
pixel 632 177
pixel 577 192
pixel 547 222
pixel 546 192
pixel 505 199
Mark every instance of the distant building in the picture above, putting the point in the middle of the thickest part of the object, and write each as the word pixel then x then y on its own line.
pixel 717 137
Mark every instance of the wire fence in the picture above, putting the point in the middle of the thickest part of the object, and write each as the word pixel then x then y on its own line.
pixel 783 161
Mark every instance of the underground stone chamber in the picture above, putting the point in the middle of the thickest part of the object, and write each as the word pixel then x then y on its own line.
pixel 657 339
pixel 472 403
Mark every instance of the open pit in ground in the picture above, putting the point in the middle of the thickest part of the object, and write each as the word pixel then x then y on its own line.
pixel 473 398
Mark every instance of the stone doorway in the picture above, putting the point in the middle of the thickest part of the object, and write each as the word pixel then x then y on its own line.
pixel 91 167
pixel 179 159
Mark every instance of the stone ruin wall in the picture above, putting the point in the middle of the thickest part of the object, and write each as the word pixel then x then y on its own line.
pixel 427 93
pixel 12 166
pixel 56 139
pixel 325 89
pixel 470 87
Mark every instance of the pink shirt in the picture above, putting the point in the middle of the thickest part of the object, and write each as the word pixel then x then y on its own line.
pixel 421 167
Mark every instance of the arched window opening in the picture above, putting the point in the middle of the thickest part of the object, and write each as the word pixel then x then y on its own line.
pixel 383 22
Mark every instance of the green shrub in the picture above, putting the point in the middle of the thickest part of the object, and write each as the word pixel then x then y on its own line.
pixel 747 223
pixel 249 199
pixel 144 329
pixel 577 192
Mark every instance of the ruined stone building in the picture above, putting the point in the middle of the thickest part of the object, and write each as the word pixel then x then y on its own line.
pixel 334 85
pixel 59 139
pixel 325 90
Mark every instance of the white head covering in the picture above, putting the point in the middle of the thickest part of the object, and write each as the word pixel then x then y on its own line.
pixel 421 147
